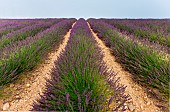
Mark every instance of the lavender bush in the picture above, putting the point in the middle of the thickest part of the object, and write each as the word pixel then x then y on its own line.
pixel 29 52
pixel 23 23
pixel 80 80
pixel 155 30
pixel 25 32
pixel 148 67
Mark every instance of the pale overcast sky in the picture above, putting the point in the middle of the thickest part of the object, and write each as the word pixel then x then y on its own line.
pixel 85 8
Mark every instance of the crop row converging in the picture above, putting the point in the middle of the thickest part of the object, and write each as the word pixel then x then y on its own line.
pixel 80 79
pixel 148 66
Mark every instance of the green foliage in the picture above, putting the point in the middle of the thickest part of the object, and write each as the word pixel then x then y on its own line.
pixel 144 63
pixel 80 80
pixel 29 55
pixel 147 65
pixel 20 36
pixel 168 29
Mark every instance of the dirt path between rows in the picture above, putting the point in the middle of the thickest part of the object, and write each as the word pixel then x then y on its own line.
pixel 140 101
pixel 33 88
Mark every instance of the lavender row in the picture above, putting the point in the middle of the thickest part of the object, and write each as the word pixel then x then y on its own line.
pixel 25 32
pixel 18 25
pixel 80 80
pixel 157 31
pixel 21 23
pixel 29 52
pixel 148 67
pixel 162 49
pixel 36 23
pixel 9 22
pixel 15 46
pixel 157 26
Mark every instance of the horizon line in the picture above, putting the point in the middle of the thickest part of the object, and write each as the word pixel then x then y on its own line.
pixel 86 17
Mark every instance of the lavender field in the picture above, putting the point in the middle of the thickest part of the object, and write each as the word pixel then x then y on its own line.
pixel 65 64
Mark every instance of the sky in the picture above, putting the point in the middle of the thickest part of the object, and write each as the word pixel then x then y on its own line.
pixel 85 9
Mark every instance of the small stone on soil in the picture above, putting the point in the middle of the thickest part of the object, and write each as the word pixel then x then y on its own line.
pixel 6 106
pixel 131 107
pixel 148 103
pixel 141 107
pixel 126 107
pixel 16 101
pixel 131 100
pixel 28 85
pixel 18 97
